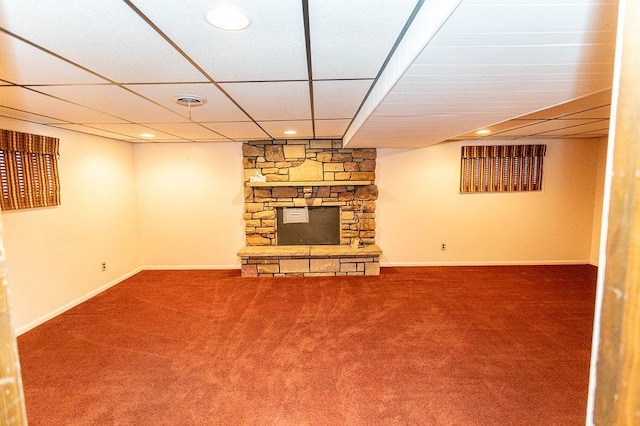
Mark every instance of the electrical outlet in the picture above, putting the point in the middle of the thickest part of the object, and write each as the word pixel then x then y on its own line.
pixel 443 247
pixel 103 266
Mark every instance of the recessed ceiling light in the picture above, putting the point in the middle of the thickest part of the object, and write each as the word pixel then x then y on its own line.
pixel 290 132
pixel 483 132
pixel 228 17
pixel 146 135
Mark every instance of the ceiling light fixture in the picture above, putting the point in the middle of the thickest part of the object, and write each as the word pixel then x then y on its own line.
pixel 189 101
pixel 290 132
pixel 483 132
pixel 146 135
pixel 228 17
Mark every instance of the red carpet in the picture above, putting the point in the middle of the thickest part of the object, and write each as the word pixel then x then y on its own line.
pixel 433 346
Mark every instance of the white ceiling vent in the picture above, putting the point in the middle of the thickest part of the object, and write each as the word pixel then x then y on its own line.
pixel 189 100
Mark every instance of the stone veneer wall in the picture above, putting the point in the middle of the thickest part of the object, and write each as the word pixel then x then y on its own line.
pixel 310 161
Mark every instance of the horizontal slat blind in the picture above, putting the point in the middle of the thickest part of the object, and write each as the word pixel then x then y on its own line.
pixel 501 168
pixel 28 171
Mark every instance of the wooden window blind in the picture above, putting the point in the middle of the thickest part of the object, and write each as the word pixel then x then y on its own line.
pixel 28 171
pixel 501 168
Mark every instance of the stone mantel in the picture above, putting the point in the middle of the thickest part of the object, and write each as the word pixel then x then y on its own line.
pixel 311 183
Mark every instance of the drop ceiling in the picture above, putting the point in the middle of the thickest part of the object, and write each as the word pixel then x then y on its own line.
pixel 377 73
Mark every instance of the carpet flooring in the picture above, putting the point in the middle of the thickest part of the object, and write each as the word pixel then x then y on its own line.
pixel 505 345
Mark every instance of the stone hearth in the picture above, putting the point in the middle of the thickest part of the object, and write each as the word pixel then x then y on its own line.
pixel 309 173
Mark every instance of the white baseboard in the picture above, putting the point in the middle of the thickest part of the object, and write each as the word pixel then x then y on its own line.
pixel 489 263
pixel 73 303
pixel 186 267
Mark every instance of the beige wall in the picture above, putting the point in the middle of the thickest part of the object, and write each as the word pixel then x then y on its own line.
pixel 191 199
pixel 598 204
pixel 54 254
pixel 420 207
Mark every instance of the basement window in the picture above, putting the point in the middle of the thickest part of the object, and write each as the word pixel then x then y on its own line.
pixel 28 171
pixel 501 168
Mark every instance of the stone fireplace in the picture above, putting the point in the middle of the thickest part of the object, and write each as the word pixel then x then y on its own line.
pixel 306 176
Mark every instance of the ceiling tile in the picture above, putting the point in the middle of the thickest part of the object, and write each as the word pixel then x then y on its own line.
pixel 131 130
pixel 218 107
pixel 245 130
pixel 351 39
pixel 193 131
pixel 47 106
pixel 107 37
pixel 272 48
pixel 276 129
pixel 284 100
pixel 27 116
pixel 338 98
pixel 114 100
pixel 331 128
pixel 25 64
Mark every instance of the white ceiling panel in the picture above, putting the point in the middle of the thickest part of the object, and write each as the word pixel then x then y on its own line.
pixel 529 16
pixel 351 39
pixel 600 112
pixel 338 98
pixel 273 100
pixel 272 48
pixel 276 129
pixel 131 130
pixel 595 126
pixel 25 64
pixel 27 116
pixel 218 107
pixel 513 55
pixel 241 130
pixel 89 129
pixel 102 35
pixel 524 38
pixel 545 126
pixel 331 128
pixel 114 100
pixel 47 106
pixel 192 131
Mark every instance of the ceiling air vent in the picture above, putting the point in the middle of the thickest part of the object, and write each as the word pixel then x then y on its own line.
pixel 189 100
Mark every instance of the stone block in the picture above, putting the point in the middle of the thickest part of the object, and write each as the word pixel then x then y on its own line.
pixel 348 267
pixel 274 153
pixel 367 192
pixel 325 265
pixel 249 271
pixel 367 224
pixel 268 223
pixel 265 214
pixel 266 230
pixel 329 176
pixel 249 162
pixel 258 240
pixel 294 151
pixel 323 192
pixel 324 157
pixel 341 158
pixel 277 178
pixel 328 144
pixel 269 269
pixel 343 176
pixel 367 154
pixel 368 166
pixel 270 171
pixel 284 192
pixel 351 166
pixel 363 176
pixel 308 171
pixel 294 266
pixel 253 223
pixel 345 196
pixel 372 268
pixel 262 193
pixel 283 164
pixel 253 207
pixel 334 167
pixel 252 151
